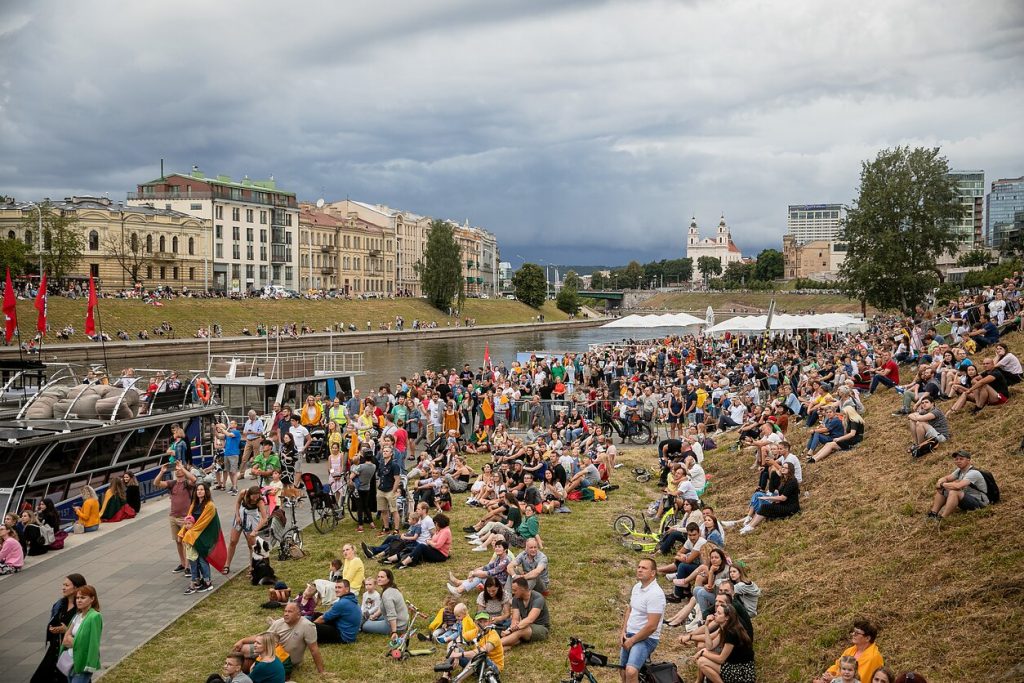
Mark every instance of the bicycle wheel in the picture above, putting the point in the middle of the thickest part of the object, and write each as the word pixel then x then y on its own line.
pixel 624 525
pixel 351 503
pixel 640 434
pixel 322 519
pixel 643 478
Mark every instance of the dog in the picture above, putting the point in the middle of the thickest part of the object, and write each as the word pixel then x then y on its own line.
pixel 260 572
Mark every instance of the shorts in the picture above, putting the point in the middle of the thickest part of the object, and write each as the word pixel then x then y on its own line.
pixel 587 483
pixel 930 433
pixel 231 464
pixel 176 525
pixel 637 655
pixel 1000 399
pixel 538 633
pixel 969 502
pixel 386 501
pixel 673 419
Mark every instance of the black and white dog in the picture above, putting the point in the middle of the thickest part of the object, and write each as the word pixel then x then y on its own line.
pixel 261 573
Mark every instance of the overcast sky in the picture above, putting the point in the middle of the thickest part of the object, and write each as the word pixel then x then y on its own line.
pixel 578 132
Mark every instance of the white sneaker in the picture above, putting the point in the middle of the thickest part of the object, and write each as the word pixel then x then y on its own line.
pixel 747 529
pixel 472 537
pixel 479 549
pixel 746 520
pixel 730 524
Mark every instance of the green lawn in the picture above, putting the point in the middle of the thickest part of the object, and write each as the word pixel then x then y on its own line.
pixel 754 302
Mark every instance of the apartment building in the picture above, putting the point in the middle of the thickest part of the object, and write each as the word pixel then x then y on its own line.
pixel 346 253
pixel 407 232
pixel 255 225
pixel 124 244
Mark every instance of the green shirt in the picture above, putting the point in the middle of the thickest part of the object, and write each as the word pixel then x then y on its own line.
pixel 271 462
pixel 529 527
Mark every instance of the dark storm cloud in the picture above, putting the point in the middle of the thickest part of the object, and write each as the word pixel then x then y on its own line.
pixel 578 132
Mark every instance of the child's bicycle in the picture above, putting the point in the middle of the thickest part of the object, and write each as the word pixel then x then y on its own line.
pixel 641 474
pixel 645 541
pixel 398 647
pixel 287 539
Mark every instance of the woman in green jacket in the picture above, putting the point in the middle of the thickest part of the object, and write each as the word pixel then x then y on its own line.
pixel 79 657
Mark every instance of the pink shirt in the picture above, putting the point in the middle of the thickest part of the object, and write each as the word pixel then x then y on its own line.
pixel 442 541
pixel 401 439
pixel 12 555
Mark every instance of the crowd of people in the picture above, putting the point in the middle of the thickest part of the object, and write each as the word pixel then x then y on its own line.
pixel 442 438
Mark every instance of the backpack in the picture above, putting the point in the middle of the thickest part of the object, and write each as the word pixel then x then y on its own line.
pixel 49 536
pixel 990 484
pixel 663 672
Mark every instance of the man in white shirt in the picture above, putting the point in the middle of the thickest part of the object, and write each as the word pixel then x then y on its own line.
pixel 641 625
pixel 300 435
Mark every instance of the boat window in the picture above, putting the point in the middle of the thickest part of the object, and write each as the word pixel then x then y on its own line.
pixel 60 461
pixel 100 453
pixel 11 462
pixel 137 446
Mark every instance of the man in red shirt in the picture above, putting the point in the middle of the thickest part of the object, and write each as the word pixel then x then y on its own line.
pixel 401 437
pixel 888 374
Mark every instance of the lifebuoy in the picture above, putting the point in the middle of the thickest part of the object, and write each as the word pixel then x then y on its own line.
pixel 203 389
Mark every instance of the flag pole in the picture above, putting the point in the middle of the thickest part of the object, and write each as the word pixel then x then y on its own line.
pixel 103 341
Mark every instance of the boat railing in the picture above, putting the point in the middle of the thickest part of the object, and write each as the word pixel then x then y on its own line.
pixel 284 366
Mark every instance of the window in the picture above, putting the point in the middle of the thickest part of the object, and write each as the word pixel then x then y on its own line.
pixel 174 273
pixel 248 215
pixel 149 244
pixel 263 253
pixel 288 237
pixel 163 272
pixel 249 234
pixel 355 242
pixel 263 218
pixel 94 240
pixel 149 272
pixel 218 213
pixel 174 245
pixel 167 206
pixel 263 235
pixel 263 273
pixel 163 244
pixel 236 272
pixel 191 246
pixel 218 231
pixel 236 214
pixel 191 273
pixel 94 269
pixel 218 250
pixel 248 252
pixel 235 233
pixel 11 235
pixel 196 207
pixel 236 251
pixel 250 272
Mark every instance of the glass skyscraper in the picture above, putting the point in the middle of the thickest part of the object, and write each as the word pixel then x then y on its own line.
pixel 1002 204
pixel 970 189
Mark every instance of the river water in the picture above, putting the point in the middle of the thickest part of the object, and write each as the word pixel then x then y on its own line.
pixel 387 362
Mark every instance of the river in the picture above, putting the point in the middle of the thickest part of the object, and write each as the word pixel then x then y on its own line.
pixel 388 362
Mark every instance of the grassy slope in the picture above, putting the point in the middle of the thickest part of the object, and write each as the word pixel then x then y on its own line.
pixel 188 315
pixel 861 547
pixel 753 302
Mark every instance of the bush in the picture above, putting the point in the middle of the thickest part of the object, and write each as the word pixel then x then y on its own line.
pixel 991 276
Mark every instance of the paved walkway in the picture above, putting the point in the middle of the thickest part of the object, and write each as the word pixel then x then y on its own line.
pixel 130 564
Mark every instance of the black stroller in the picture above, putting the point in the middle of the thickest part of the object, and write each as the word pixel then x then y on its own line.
pixel 317 448
pixel 326 511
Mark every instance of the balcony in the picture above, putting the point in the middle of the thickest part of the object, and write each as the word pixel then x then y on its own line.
pixel 164 256
pixel 221 196
pixel 279 254
pixel 325 249
pixel 327 270
pixel 375 253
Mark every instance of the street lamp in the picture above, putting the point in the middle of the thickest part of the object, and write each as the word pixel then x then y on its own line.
pixel 40 238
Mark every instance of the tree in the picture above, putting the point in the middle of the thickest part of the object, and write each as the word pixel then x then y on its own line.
pixel 16 255
pixel 708 266
pixel 679 270
pixel 598 280
pixel 441 268
pixel 900 223
pixel 568 299
pixel 975 257
pixel 571 279
pixel 770 265
pixel 62 240
pixel 737 274
pixel 633 275
pixel 129 252
pixel 530 285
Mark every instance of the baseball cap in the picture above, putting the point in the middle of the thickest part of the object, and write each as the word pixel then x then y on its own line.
pixel 481 615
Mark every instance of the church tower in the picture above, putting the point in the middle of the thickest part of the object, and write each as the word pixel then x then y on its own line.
pixel 693 236
pixel 723 232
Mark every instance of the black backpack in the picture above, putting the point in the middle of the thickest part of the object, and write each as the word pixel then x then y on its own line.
pixel 990 484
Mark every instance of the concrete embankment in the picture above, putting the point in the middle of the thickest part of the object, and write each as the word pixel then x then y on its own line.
pixel 93 351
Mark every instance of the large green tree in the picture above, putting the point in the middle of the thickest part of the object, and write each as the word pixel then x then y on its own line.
pixel 441 268
pixel 737 274
pixel 572 279
pixel 16 255
pixel 530 285
pixel 770 265
pixel 900 223
pixel 568 299
pixel 598 280
pixel 632 276
pixel 62 240
pixel 975 257
pixel 709 266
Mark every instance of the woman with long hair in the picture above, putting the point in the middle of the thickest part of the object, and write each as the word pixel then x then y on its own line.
pixel 267 668
pixel 250 514
pixel 497 602
pixel 32 534
pixel 79 656
pixel 12 556
pixel 853 436
pixel 89 513
pixel 785 503
pixel 115 507
pixel 132 491
pixel 735 662
pixel 394 617
pixel 744 588
pixel 204 537
pixel 60 616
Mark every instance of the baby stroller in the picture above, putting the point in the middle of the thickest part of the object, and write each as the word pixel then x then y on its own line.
pixel 317 448
pixel 326 512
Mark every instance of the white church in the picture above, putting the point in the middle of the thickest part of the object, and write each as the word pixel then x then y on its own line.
pixel 720 247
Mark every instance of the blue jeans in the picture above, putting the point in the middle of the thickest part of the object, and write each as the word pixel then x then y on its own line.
pixel 200 570
pixel 817 439
pixel 682 571
pixel 379 626
pixel 755 500
pixel 705 600
pixel 880 379
pixel 637 655
pixel 80 678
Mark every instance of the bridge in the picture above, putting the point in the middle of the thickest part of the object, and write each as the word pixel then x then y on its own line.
pixel 609 295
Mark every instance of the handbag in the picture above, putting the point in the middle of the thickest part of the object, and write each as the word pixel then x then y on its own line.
pixel 66 662
pixel 78 528
pixel 663 672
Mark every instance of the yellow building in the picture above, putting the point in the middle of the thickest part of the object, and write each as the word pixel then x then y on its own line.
pixel 124 244
pixel 345 253
pixel 815 260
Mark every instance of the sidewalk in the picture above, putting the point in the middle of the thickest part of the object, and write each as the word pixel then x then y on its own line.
pixel 130 565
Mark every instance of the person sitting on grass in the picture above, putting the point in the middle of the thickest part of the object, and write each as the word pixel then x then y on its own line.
pixel 964 488
pixel 785 503
pixel 830 430
pixel 497 567
pixel 587 476
pixel 487 640
pixel 988 388
pixel 705 579
pixel 864 650
pixel 340 624
pixel 887 374
pixel 437 548
pixel 689 513
pixel 854 435
pixel 527 529
pixel 928 427
pixel 532 565
pixel 505 511
pixel 530 619
pixel 393 545
pixel 734 663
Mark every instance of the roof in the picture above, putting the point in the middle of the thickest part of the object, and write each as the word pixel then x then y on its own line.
pixel 86 203
pixel 319 218
pixel 733 248
pixel 225 181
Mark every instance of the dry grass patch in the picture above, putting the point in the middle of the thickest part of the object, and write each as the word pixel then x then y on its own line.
pixel 753 302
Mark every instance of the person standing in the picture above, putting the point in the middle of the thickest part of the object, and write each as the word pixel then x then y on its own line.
pixel 232 449
pixel 79 656
pixel 641 625
pixel 181 487
pixel 60 616
pixel 204 538
pixel 252 432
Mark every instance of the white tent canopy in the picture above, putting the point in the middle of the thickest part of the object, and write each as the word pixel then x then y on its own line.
pixel 651 321
pixel 785 322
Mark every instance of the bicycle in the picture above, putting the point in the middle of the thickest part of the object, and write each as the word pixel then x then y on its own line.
pixel 646 540
pixel 398 649
pixel 288 539
pixel 642 474
pixel 582 656
pixel 634 430
pixel 326 509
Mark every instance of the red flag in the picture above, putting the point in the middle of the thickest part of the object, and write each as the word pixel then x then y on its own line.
pixel 41 306
pixel 10 309
pixel 487 355
pixel 90 314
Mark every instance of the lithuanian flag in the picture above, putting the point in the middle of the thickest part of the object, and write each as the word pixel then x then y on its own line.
pixel 206 537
